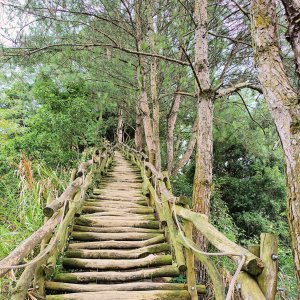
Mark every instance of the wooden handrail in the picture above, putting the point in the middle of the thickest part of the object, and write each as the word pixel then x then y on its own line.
pixel 252 266
pixel 47 259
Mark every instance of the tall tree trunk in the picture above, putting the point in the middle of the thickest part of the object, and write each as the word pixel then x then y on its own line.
pixel 189 149
pixel 171 121
pixel 153 87
pixel 203 162
pixel 141 73
pixel 203 171
pixel 139 130
pixel 120 126
pixel 292 10
pixel 283 105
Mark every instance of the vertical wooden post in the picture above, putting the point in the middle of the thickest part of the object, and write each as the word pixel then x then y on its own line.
pixel 190 263
pixel 267 280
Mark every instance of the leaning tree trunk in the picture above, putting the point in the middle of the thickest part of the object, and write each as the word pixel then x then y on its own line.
pixel 292 11
pixel 283 105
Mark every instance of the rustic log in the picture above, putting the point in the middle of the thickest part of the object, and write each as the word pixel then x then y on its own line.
pixel 117 223
pixel 117 244
pixel 28 245
pixel 113 253
pixel 267 280
pixel 62 234
pixel 176 247
pixel 117 264
pixel 190 263
pixel 96 209
pixel 115 276
pixel 253 265
pixel 130 286
pixel 216 279
pixel 125 295
pixel 67 195
pixel 249 287
pixel 115 229
pixel 254 249
pixel 97 236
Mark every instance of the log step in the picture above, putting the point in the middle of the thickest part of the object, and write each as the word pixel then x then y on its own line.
pixel 115 229
pixel 116 223
pixel 124 295
pixel 117 244
pixel 117 264
pixel 117 254
pixel 115 276
pixel 97 236
pixel 138 210
pixel 130 286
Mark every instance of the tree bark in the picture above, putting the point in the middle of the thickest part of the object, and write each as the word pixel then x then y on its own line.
pixel 283 105
pixel 292 11
pixel 153 86
pixel 171 121
pixel 189 149
pixel 139 133
pixel 120 126
pixel 143 104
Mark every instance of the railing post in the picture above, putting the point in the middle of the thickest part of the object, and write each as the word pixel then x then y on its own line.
pixel 190 263
pixel 267 280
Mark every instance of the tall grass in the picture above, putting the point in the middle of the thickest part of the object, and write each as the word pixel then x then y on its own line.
pixel 24 192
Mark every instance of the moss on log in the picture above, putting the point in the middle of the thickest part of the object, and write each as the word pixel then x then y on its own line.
pixel 117 264
pixel 96 236
pixel 115 229
pixel 267 280
pixel 176 247
pixel 124 295
pixel 116 223
pixel 130 286
pixel 249 287
pixel 113 253
pixel 117 244
pixel 115 276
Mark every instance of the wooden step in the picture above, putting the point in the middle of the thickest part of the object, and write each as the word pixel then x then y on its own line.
pixel 117 244
pixel 136 253
pixel 97 236
pixel 130 286
pixel 115 276
pixel 139 210
pixel 117 264
pixel 117 216
pixel 117 204
pixel 116 223
pixel 124 295
pixel 115 229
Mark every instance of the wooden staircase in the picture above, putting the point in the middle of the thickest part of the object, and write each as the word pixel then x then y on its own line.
pixel 117 250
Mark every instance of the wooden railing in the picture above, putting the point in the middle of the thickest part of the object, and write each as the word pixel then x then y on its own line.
pixel 52 236
pixel 256 275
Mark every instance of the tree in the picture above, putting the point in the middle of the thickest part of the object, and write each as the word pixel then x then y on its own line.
pixel 284 106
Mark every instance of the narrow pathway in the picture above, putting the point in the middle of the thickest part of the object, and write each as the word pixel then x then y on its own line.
pixel 117 250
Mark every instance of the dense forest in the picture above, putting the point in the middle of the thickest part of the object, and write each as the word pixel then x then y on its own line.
pixel 208 89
